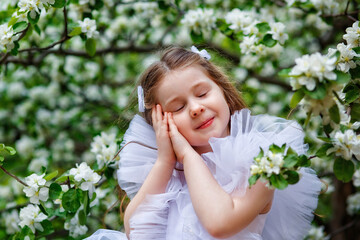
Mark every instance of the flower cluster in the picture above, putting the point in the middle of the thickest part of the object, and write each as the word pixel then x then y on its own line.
pixel 36 189
pixel 199 20
pixel 346 145
pixel 279 166
pixel 32 217
pixel 105 147
pixel 347 59
pixel 34 6
pixel 311 69
pixel 75 229
pixel 246 22
pixel 7 37
pixel 85 176
pixel 316 233
pixel 88 27
pixel 268 164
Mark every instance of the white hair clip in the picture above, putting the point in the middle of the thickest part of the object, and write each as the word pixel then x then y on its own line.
pixel 141 99
pixel 203 53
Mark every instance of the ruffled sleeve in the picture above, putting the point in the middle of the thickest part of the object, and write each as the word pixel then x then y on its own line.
pixel 292 209
pixel 137 158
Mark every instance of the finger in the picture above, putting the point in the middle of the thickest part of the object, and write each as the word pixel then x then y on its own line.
pixel 172 125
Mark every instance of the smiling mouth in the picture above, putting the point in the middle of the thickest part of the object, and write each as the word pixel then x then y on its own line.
pixel 206 123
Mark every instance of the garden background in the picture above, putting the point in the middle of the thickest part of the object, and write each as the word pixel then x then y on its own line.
pixel 68 72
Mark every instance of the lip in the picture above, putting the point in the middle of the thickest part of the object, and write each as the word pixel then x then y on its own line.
pixel 206 123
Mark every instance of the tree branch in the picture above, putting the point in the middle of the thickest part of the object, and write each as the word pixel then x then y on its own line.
pixel 13 176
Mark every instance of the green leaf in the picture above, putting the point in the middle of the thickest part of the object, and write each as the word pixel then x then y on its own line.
pixel 268 41
pixel 20 26
pixel 263 27
pixel 275 148
pixel 278 181
pixel 10 150
pixel 48 227
pixel 355 112
pixel 290 161
pixel 318 93
pixel 303 161
pixel 296 98
pixel 344 169
pixel 54 191
pixel 59 3
pixel 356 49
pixel 321 152
pixel 51 175
pixel 82 217
pixel 284 72
pixel 90 46
pixel 98 4
pixel 37 29
pixel 15 50
pixel 71 201
pixel 12 21
pixel 355 72
pixel 162 5
pixel 43 209
pixel 292 177
pixel 352 94
pixel 196 37
pixel 335 114
pixel 342 77
pixel 252 180
pixel 75 31
pixel 35 20
pixel 62 178
pixel 1 159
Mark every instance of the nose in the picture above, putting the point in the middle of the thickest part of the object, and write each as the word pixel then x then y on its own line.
pixel 196 109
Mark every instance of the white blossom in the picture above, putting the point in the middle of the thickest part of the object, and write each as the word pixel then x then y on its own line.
pixel 11 221
pixel 316 233
pixel 248 45
pixel 241 20
pixel 75 229
pixel 356 178
pixel 353 203
pixel 346 144
pixel 31 216
pixel 278 32
pixel 352 35
pixel 346 61
pixel 199 19
pixel 7 37
pixel 34 6
pixel 312 68
pixel 326 6
pixel 36 189
pixel 85 176
pixel 88 27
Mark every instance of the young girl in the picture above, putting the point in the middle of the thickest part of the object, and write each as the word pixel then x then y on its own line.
pixel 188 179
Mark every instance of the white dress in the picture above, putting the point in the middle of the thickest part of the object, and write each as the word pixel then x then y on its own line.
pixel 171 216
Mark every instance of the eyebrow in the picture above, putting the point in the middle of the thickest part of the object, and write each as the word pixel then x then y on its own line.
pixel 192 88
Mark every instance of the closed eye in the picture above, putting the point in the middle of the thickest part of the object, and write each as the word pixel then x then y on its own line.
pixel 203 94
pixel 179 109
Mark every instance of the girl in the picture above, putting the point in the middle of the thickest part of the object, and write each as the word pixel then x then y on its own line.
pixel 188 179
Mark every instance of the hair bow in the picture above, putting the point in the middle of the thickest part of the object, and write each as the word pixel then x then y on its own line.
pixel 203 53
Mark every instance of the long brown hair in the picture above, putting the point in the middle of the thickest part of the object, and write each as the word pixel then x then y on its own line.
pixel 175 58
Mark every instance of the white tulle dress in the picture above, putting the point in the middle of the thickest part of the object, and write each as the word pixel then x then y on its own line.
pixel 171 216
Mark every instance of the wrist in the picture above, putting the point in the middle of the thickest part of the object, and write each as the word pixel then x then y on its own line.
pixel 164 163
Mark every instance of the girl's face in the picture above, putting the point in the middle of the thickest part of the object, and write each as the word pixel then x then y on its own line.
pixel 199 108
